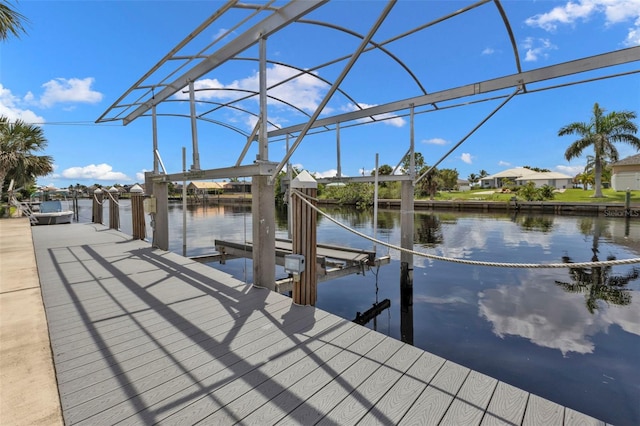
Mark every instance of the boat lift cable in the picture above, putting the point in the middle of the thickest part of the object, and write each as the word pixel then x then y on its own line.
pixel 304 197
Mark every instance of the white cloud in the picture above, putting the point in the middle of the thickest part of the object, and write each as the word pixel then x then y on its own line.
pixel 62 90
pixel 434 141
pixel 326 174
pixel 504 163
pixel 550 317
pixel 96 172
pixel 614 11
pixel 567 14
pixel 10 107
pixel 537 48
pixel 488 51
pixel 633 38
pixel 570 170
pixel 466 157
pixel 140 175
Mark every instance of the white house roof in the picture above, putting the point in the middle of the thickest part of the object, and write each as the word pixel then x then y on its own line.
pixel 545 176
pixel 206 185
pixel 516 172
pixel 522 173
pixel 628 161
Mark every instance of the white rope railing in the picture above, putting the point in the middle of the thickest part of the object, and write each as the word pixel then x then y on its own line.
pixel 304 197
pixel 95 198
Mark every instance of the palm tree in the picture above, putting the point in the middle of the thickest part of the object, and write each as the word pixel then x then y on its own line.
pixel 473 178
pixel 18 142
pixel 601 133
pixel 11 22
pixel 598 283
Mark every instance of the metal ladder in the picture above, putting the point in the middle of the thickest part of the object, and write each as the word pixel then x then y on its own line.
pixel 25 209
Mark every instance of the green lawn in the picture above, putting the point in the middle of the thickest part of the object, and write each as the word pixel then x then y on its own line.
pixel 569 195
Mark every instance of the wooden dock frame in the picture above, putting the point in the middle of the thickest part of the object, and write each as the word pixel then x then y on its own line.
pixel 331 261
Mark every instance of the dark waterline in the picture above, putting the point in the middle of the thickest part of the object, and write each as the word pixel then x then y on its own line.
pixel 552 332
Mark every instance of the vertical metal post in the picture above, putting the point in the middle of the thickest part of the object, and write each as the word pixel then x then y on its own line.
pixel 161 216
pixel 263 150
pixel 289 197
pixel 412 144
pixel 184 202
pixel 375 204
pixel 305 289
pixel 194 128
pixel 263 207
pixel 339 166
pixel 154 124
pixel 406 241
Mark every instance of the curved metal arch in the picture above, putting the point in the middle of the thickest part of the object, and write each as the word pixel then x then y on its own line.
pixel 373 43
pixel 392 39
pixel 507 25
pixel 246 111
pixel 223 124
pixel 301 72
pixel 253 92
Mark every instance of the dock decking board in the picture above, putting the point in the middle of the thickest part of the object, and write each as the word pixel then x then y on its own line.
pixel 143 336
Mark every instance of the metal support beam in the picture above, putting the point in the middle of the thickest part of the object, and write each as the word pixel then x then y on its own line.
pixel 406 261
pixel 263 208
pixel 258 169
pixel 339 164
pixel 160 219
pixel 250 140
pixel 274 22
pixel 263 205
pixel 263 142
pixel 564 69
pixel 467 136
pixel 334 87
pixel 154 129
pixel 412 145
pixel 194 128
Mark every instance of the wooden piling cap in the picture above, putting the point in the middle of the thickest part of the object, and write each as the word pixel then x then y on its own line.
pixel 304 181
pixel 113 190
pixel 136 189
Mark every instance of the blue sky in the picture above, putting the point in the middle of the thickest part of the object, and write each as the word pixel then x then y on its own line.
pixel 78 57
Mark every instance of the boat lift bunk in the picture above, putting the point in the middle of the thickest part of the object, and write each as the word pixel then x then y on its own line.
pixel 332 261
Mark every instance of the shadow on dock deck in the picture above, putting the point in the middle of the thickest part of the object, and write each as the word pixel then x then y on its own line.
pixel 144 336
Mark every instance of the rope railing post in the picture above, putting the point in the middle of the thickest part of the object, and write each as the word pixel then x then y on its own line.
pixel 96 216
pixel 305 289
pixel 137 213
pixel 114 208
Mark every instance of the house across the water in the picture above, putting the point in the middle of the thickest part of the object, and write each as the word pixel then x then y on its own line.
pixel 519 176
pixel 625 174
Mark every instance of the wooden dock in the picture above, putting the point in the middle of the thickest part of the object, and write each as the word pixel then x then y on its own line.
pixel 144 336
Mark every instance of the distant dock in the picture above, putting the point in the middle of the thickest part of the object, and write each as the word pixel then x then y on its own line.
pixel 144 336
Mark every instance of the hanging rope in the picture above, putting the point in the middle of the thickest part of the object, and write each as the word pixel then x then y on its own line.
pixel 111 197
pixel 95 198
pixel 471 262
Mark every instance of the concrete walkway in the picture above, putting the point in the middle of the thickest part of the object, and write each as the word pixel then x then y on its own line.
pixel 28 388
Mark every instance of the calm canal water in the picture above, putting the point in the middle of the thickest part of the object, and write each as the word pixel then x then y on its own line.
pixel 569 335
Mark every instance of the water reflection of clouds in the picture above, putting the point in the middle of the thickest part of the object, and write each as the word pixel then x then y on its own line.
pixel 546 315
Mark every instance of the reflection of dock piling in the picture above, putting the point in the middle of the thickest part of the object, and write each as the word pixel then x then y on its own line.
pixel 371 313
